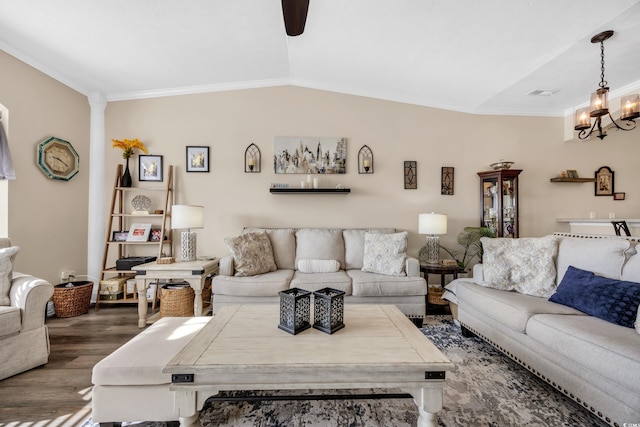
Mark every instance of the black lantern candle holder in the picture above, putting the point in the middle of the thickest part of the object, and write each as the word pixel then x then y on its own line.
pixel 295 306
pixel 328 312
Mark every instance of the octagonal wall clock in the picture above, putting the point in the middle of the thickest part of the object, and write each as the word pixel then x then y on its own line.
pixel 58 159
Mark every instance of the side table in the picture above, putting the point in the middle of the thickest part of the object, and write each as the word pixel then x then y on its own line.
pixel 440 269
pixel 193 272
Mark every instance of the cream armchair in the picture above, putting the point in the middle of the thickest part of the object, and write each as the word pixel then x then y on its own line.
pixel 24 338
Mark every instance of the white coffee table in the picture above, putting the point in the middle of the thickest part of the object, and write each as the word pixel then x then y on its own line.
pixel 243 349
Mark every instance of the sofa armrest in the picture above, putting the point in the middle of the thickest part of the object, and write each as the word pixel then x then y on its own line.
pixel 31 295
pixel 478 275
pixel 225 266
pixel 412 267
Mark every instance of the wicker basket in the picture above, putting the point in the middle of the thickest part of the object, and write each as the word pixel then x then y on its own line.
pixel 74 300
pixel 206 296
pixel 435 296
pixel 176 302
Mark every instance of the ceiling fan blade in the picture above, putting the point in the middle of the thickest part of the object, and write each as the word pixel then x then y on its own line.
pixel 295 16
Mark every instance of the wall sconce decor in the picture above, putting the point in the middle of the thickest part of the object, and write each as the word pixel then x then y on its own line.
pixel 446 181
pixel 410 175
pixel 599 104
pixel 295 307
pixel 328 311
pixel 365 160
pixel 252 159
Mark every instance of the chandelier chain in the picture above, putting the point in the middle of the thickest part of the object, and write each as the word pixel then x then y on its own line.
pixel 603 82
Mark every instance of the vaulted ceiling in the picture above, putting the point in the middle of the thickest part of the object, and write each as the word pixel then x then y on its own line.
pixel 472 56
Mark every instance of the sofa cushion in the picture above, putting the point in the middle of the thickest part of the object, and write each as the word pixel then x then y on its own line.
pixel 252 253
pixel 314 282
pixel 512 309
pixel 320 243
pixel 267 284
pixel 140 361
pixel 354 245
pixel 367 284
pixel 283 244
pixel 525 265
pixel 10 320
pixel 599 346
pixel 604 257
pixel 7 256
pixel 318 266
pixel 385 253
pixel 615 301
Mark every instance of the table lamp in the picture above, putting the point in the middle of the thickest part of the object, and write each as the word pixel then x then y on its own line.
pixel 432 224
pixel 187 216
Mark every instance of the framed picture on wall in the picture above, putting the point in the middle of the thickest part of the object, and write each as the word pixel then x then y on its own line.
pixel 310 155
pixel 604 181
pixel 149 168
pixel 197 159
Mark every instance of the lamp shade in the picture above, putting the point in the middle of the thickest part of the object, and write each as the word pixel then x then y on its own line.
pixel 432 223
pixel 187 216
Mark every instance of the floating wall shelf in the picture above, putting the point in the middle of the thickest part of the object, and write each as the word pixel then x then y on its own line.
pixel 310 190
pixel 573 180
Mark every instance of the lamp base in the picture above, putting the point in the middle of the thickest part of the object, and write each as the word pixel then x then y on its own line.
pixel 188 246
pixel 432 249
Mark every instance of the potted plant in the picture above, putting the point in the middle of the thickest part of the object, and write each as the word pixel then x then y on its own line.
pixel 469 239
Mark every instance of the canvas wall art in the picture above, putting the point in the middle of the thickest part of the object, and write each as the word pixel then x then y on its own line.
pixel 310 155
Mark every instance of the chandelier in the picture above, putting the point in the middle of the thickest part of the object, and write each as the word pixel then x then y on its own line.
pixel 599 104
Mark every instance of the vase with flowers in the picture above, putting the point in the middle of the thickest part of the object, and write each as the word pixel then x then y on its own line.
pixel 128 147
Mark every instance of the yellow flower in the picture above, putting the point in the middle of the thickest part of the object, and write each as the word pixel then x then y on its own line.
pixel 128 146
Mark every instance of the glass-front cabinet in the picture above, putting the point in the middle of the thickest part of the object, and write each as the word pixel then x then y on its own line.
pixel 499 201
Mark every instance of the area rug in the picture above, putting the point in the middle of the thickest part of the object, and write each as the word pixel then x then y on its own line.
pixel 487 389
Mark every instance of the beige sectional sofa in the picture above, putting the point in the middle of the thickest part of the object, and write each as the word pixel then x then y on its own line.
pixel 24 338
pixel 593 361
pixel 351 248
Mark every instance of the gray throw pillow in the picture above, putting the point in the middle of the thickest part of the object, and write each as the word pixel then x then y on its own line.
pixel 252 253
pixel 385 253
pixel 7 255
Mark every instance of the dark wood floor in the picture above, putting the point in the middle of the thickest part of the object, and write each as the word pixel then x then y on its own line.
pixel 59 393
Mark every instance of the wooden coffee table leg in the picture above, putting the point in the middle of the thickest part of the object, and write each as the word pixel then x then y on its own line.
pixel 429 401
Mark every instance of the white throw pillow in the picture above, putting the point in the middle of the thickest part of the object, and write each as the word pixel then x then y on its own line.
pixel 7 255
pixel 318 265
pixel 385 253
pixel 252 253
pixel 525 265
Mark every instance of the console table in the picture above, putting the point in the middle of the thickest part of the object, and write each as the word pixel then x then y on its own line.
pixel 193 272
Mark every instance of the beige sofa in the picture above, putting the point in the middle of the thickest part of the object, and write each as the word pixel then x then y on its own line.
pixel 593 361
pixel 24 338
pixel 347 246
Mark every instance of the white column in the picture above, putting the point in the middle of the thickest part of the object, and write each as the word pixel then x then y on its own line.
pixel 96 232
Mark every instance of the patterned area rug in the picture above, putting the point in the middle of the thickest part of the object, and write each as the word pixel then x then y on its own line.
pixel 487 389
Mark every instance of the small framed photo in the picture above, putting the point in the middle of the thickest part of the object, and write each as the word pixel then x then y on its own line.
pixel 149 168
pixel 604 182
pixel 156 235
pixel 139 233
pixel 119 236
pixel 618 196
pixel 572 174
pixel 197 159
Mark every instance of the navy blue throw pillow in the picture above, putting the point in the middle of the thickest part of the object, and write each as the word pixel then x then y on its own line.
pixel 615 301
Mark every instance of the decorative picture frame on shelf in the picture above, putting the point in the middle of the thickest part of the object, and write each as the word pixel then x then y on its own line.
pixel 446 181
pixel 155 235
pixel 619 196
pixel 604 185
pixel 139 233
pixel 119 236
pixel 150 167
pixel 197 158
pixel 410 175
pixel 572 174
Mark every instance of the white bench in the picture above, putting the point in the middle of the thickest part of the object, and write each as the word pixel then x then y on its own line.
pixel 129 384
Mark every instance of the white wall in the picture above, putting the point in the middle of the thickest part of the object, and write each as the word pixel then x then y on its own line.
pixel 229 121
